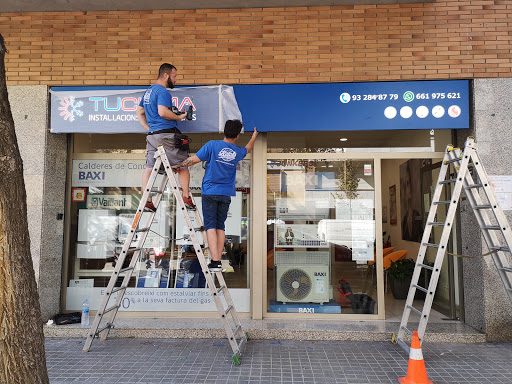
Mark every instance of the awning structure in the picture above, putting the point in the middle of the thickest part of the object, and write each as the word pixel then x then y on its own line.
pixel 112 110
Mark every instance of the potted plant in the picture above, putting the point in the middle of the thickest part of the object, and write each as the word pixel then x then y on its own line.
pixel 399 275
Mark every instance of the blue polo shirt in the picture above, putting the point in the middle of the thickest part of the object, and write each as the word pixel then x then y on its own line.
pixel 153 97
pixel 221 160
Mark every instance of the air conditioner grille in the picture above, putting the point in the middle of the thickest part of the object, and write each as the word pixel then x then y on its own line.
pixel 295 284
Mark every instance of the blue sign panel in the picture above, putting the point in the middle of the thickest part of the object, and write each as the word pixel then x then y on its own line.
pixel 355 106
pixel 111 110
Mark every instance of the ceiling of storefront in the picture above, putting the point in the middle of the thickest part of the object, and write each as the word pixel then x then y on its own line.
pixel 127 5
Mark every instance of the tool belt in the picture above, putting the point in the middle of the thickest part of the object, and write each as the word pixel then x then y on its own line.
pixel 181 142
pixel 167 130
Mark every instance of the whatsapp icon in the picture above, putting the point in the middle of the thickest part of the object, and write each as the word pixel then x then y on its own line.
pixel 408 96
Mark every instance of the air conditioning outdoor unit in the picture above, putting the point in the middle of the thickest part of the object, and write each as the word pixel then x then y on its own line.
pixel 303 283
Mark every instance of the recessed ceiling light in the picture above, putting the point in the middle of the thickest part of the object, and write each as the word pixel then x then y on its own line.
pixel 343 139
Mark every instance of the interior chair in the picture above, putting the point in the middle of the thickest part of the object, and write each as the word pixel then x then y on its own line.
pixel 393 256
pixel 371 263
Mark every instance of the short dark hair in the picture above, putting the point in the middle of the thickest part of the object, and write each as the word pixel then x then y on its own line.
pixel 165 68
pixel 232 129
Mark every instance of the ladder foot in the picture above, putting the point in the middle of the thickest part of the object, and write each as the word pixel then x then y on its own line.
pixel 236 359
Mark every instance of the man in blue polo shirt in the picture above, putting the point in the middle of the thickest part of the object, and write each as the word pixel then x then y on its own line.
pixel 221 157
pixel 155 115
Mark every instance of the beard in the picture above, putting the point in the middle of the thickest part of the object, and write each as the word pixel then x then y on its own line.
pixel 170 84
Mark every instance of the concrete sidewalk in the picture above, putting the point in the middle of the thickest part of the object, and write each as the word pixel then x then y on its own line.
pixel 148 361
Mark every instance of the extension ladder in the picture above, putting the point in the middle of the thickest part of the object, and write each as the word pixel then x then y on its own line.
pixel 490 218
pixel 104 320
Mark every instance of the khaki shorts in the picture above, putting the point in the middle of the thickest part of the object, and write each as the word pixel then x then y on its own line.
pixel 174 155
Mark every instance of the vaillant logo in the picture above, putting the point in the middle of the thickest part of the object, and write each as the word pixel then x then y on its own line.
pixel 69 108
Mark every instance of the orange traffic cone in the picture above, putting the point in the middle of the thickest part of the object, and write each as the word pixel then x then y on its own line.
pixel 416 371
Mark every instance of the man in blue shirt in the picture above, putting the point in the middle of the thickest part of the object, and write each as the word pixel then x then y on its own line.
pixel 221 157
pixel 155 115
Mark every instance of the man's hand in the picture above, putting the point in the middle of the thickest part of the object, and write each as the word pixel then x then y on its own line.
pixel 250 144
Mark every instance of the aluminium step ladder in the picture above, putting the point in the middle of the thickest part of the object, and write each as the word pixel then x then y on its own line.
pixel 104 320
pixel 490 217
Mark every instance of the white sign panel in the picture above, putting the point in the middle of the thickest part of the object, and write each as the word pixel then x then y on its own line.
pixel 82 283
pixel 359 235
pixel 128 173
pixel 157 299
pixel 107 173
pixel 503 188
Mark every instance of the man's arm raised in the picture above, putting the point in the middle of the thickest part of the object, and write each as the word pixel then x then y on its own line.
pixel 250 144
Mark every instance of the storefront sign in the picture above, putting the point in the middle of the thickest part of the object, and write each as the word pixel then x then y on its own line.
pixel 128 173
pixel 111 110
pixel 116 202
pixel 157 299
pixel 107 173
pixel 355 106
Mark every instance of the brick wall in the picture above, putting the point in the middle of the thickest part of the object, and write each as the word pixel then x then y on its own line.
pixel 437 40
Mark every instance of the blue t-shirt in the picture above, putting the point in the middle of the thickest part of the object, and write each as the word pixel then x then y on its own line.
pixel 154 96
pixel 221 160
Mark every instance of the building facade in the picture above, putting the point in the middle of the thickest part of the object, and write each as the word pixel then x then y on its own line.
pixel 372 43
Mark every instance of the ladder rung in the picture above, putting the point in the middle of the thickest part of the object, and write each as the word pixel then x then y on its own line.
pixel 125 269
pixel 420 288
pixel 117 289
pixel 474 186
pixel 506 269
pixel 415 310
pixel 492 227
pixel 503 249
pixel 448 181
pixel 426 266
pixel 407 330
pixel 228 309
pixel 484 206
pixel 436 223
pixel 142 230
pixel 219 290
pixel 431 245
pixel 133 250
pixel 199 229
pixel 453 160
pixel 442 202
pixel 109 309
pixel 103 328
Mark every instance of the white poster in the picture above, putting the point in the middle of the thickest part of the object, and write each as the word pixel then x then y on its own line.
pixel 288 209
pixel 298 236
pixel 157 299
pixel 358 235
pixel 502 186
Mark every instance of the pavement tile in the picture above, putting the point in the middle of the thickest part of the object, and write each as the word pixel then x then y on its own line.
pixel 189 361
